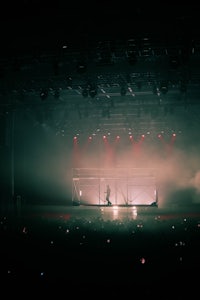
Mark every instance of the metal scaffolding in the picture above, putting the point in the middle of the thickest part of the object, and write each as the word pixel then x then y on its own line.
pixel 129 186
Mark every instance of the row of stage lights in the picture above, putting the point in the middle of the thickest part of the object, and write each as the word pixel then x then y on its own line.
pixel 131 137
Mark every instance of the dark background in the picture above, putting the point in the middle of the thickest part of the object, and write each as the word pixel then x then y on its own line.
pixel 32 36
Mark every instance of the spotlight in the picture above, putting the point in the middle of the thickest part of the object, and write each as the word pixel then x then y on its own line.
pixel 164 87
pixel 93 93
pixel 44 94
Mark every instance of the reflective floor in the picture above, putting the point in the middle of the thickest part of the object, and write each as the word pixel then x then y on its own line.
pixel 110 213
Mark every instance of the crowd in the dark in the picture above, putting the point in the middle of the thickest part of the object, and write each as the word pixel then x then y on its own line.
pixel 157 256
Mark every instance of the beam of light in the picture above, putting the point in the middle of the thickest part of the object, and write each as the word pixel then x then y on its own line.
pixel 76 152
pixel 109 152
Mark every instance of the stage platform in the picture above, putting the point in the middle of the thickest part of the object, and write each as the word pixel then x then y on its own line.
pixel 107 213
pixel 154 204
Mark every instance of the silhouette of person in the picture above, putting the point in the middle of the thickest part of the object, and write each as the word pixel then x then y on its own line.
pixel 108 191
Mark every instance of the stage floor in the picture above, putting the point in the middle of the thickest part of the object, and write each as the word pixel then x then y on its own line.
pixel 62 212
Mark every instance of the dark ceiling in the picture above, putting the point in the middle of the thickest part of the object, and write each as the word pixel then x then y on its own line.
pixel 43 24
pixel 118 61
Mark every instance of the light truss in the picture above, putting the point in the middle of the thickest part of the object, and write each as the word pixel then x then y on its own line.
pixel 130 187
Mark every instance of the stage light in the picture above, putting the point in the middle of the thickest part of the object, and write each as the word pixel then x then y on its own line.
pixel 93 91
pixel 69 81
pixel 163 87
pixel 89 90
pixel 155 90
pixel 44 94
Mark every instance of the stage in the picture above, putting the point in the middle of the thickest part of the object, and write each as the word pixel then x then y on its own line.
pixel 107 213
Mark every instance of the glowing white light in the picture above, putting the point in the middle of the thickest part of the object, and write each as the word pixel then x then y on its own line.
pixel 115 207
pixel 134 212
pixel 142 260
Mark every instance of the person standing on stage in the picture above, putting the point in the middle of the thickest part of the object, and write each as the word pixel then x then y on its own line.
pixel 108 191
